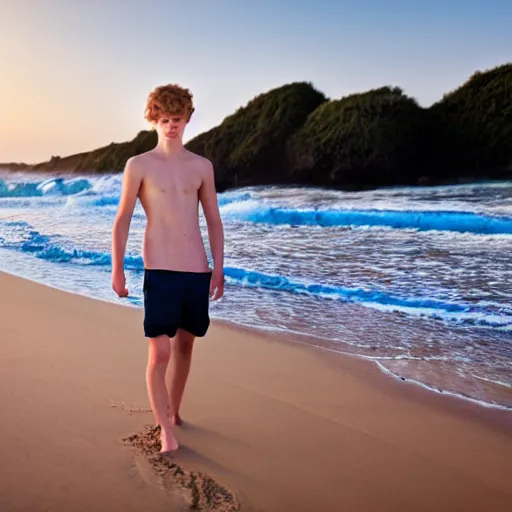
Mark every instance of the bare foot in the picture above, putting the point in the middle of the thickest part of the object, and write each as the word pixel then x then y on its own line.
pixel 175 419
pixel 168 441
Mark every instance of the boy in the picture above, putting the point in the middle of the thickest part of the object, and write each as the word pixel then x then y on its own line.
pixel 170 181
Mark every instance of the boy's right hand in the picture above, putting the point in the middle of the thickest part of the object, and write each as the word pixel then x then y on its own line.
pixel 119 284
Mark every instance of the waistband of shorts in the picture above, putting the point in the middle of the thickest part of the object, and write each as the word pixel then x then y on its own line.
pixel 165 271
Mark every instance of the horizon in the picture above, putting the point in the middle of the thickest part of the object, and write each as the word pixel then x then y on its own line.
pixel 109 58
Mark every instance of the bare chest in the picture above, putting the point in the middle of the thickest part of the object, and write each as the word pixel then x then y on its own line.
pixel 172 183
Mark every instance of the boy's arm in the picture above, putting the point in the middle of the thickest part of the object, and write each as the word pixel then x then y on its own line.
pixel 208 198
pixel 132 180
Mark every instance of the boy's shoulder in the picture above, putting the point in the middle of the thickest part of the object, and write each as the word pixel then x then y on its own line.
pixel 136 164
pixel 198 158
pixel 139 159
pixel 204 163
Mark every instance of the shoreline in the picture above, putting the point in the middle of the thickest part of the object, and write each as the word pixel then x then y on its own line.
pixel 281 425
pixel 307 340
pixel 445 399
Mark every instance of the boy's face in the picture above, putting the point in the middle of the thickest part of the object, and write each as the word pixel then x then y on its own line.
pixel 171 127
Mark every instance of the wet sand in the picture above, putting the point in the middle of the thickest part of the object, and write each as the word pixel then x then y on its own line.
pixel 269 425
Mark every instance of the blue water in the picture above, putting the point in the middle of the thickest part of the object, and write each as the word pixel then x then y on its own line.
pixel 462 222
pixel 417 279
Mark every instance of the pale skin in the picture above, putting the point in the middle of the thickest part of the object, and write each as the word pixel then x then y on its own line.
pixel 170 182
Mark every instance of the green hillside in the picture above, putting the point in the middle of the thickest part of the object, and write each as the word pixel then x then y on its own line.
pixel 369 139
pixel 474 125
pixel 250 145
pixel 293 134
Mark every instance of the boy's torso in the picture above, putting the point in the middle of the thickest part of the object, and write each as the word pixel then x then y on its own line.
pixel 169 194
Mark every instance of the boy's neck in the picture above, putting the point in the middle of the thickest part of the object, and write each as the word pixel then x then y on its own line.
pixel 170 148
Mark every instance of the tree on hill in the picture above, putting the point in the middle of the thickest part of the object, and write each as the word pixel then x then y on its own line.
pixel 367 139
pixel 475 125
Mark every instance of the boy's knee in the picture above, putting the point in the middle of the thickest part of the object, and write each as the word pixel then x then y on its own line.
pixel 160 352
pixel 161 356
pixel 186 348
pixel 184 343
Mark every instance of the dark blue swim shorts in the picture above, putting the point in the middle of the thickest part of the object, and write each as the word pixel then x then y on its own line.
pixel 176 300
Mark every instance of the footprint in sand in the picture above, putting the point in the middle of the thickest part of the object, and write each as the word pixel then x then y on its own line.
pixel 147 472
pixel 193 489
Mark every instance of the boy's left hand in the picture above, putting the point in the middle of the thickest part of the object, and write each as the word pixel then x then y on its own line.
pixel 217 285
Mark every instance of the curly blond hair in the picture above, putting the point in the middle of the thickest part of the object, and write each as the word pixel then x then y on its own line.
pixel 168 100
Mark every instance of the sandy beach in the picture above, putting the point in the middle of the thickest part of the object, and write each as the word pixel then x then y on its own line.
pixel 281 426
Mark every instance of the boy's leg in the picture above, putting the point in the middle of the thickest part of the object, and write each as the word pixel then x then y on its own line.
pixel 158 359
pixel 181 358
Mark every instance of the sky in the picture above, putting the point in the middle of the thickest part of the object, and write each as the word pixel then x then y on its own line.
pixel 75 74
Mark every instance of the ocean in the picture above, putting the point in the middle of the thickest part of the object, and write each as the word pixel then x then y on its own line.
pixel 416 279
